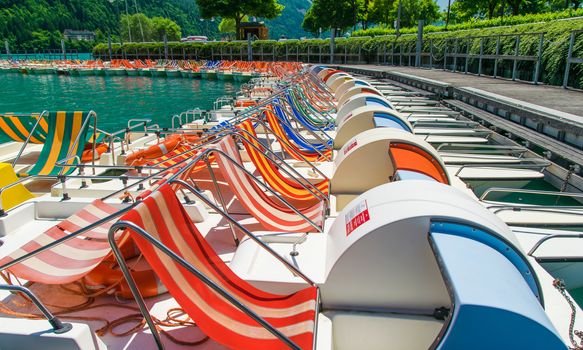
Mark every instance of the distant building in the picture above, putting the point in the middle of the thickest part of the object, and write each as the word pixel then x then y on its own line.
pixel 257 29
pixel 71 34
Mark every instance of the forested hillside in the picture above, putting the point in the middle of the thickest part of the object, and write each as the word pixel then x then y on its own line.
pixel 290 21
pixel 39 24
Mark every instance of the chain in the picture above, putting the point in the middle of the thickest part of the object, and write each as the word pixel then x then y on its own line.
pixel 567 178
pixel 559 284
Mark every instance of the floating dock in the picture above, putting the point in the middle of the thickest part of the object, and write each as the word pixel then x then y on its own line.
pixel 545 119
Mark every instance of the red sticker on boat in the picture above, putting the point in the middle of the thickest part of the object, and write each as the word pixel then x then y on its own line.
pixel 356 217
pixel 350 146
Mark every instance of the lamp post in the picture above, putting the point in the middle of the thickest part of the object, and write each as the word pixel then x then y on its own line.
pixel 206 25
pixel 398 24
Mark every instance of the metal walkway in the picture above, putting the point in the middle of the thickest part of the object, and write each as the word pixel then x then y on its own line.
pixel 553 97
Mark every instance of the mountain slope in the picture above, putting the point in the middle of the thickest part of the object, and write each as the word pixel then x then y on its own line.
pixel 30 24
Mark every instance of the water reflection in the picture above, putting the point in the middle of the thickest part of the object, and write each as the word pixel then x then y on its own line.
pixel 115 99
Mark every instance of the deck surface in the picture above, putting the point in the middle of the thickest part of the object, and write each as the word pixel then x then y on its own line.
pixel 554 97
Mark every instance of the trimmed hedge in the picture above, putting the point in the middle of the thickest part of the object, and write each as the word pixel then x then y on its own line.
pixel 478 23
pixel 367 49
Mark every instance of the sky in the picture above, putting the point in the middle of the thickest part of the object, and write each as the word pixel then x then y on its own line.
pixel 442 4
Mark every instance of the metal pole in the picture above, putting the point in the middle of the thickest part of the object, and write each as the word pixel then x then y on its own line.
pixel 165 46
pixel 63 49
pixel 467 55
pixel 481 54
pixel 332 37
pixel 398 22
pixel 128 22
pixel 539 57
pixel 445 54
pixel 419 43
pixel 249 48
pixel 496 59
pixel 430 53
pixel 109 45
pixel 569 57
pixel 455 54
pixel 7 46
pixel 516 53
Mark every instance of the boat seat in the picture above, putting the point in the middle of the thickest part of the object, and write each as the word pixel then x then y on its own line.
pixel 351 330
pixel 15 195
pixel 162 216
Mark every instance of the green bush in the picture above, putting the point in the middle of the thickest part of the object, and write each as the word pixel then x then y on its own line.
pixel 555 47
pixel 478 23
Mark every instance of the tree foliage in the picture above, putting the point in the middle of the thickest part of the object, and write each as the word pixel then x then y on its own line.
pixel 346 13
pixel 415 10
pixel 142 28
pixel 330 14
pixel 238 9
pixel 19 19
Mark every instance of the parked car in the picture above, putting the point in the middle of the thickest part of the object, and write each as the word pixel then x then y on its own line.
pixel 196 38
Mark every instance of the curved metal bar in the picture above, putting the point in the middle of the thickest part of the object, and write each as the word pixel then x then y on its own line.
pixel 248 173
pixel 313 133
pixel 549 237
pixel 193 270
pixel 90 115
pixel 281 140
pixel 303 184
pixel 28 138
pixel 537 192
pixel 248 233
pixel 315 149
pixel 58 326
pixel 542 165
pixel 65 238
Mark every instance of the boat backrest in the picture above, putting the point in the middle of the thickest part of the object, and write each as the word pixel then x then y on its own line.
pixel 378 254
pixel 67 134
pixel 162 216
pixel 19 127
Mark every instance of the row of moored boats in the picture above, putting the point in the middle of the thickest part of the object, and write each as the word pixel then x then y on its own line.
pixel 330 211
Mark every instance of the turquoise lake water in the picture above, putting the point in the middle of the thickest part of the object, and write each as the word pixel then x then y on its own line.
pixel 114 99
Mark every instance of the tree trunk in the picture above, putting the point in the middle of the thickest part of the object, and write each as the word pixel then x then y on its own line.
pixel 515 4
pixel 448 10
pixel 237 26
pixel 491 8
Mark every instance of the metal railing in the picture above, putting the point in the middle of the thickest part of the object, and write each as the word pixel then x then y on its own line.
pixel 574 196
pixel 90 115
pixel 462 51
pixel 58 326
pixel 570 59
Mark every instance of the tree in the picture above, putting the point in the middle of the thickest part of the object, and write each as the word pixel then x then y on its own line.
pixel 227 25
pixel 464 10
pixel 332 14
pixel 414 10
pixel 238 9
pixel 164 26
pixel 515 6
pixel 148 29
pixel 138 24
pixel 381 12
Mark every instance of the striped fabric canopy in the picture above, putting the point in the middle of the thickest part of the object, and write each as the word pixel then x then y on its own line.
pixel 71 260
pixel 289 147
pixel 164 218
pixel 289 188
pixel 174 157
pixel 272 215
pixel 63 130
pixel 18 128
